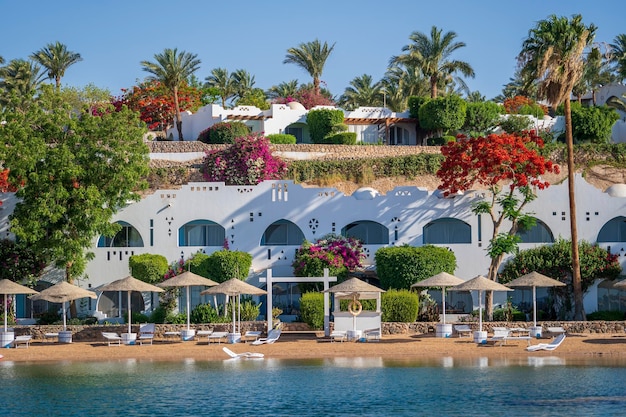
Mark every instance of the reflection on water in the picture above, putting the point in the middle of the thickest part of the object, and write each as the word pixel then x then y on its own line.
pixel 530 386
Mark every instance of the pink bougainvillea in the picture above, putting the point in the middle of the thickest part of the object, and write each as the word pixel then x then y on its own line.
pixel 247 162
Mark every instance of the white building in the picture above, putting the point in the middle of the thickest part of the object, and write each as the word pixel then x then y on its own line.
pixel 371 124
pixel 270 220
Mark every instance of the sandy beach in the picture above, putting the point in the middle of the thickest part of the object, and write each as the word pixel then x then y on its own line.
pixel 310 345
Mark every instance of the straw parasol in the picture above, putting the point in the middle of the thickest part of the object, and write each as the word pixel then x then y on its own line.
pixel 354 288
pixel 443 280
pixel 187 279
pixel 129 284
pixel 234 287
pixel 535 279
pixel 9 287
pixel 62 292
pixel 480 284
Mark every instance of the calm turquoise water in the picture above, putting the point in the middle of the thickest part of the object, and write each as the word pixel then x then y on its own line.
pixel 544 386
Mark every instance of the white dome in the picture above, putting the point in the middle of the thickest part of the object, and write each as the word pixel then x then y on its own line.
pixel 294 105
pixel 365 193
pixel 616 190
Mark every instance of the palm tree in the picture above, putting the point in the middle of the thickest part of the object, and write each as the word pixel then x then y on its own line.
pixel 56 59
pixel 20 80
pixel 432 56
pixel 243 83
pixel 173 69
pixel 552 55
pixel 223 82
pixel 311 57
pixel 282 90
pixel 401 82
pixel 362 92
pixel 618 56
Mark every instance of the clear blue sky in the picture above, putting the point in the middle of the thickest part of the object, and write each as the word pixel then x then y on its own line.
pixel 114 36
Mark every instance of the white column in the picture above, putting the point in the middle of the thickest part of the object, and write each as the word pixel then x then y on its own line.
pixel 326 303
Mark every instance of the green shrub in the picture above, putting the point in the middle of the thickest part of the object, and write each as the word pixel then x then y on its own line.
pixel 516 124
pixel 400 306
pixel 224 132
pixel 312 309
pixel 369 305
pixel 137 317
pixel 203 313
pixel 606 316
pixel 148 267
pixel 281 138
pixel 158 315
pixel 249 310
pixel 593 124
pixel 443 114
pixel 49 317
pixel 321 122
pixel 178 318
pixel 440 141
pixel 343 138
pixel 402 266
pixel 225 264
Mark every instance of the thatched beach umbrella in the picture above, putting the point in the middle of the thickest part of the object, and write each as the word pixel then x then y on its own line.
pixel 61 293
pixel 187 279
pixel 480 284
pixel 9 287
pixel 535 279
pixel 354 288
pixel 443 280
pixel 130 284
pixel 234 287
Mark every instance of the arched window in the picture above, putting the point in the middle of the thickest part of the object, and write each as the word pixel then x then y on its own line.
pixel 539 233
pixel 613 231
pixel 201 233
pixel 368 232
pixel 127 237
pixel 282 232
pixel 448 230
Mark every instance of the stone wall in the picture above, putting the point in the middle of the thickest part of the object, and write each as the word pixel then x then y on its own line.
pixel 93 333
pixel 320 151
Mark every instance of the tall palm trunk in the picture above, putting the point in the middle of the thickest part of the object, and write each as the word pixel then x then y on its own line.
pixel 179 122
pixel 579 311
pixel 433 86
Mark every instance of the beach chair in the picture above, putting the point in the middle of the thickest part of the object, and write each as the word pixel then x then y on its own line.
pixel 217 336
pixel 23 341
pixel 340 335
pixel 371 335
pixel 112 338
pixel 548 346
pixel 500 334
pixel 146 333
pixel 272 337
pixel 554 331
pixel 244 355
pixel 251 335
pixel 463 330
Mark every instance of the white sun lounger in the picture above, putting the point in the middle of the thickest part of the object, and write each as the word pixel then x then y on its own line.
pixel 463 330
pixel 244 355
pixel 338 335
pixel 548 346
pixel 217 336
pixel 112 338
pixel 23 341
pixel 146 333
pixel 272 336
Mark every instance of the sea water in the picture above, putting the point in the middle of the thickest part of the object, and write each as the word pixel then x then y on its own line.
pixel 533 386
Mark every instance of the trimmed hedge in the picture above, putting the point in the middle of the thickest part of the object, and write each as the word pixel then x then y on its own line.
pixel 343 138
pixel 281 138
pixel 224 132
pixel 399 306
pixel 312 309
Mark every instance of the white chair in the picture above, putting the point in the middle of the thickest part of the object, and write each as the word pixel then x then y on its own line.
pixel 556 330
pixel 251 335
pixel 23 341
pixel 218 336
pixel 112 338
pixel 272 337
pixel 146 333
pixel 548 346
pixel 371 335
pixel 244 355
pixel 340 335
pixel 463 330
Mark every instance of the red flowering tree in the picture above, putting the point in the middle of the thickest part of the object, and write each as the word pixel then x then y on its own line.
pixel 510 167
pixel 307 96
pixel 155 103
pixel 248 161
pixel 4 182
